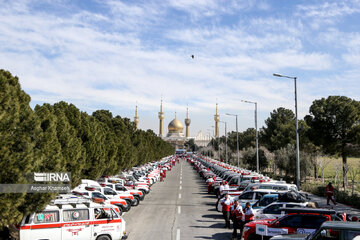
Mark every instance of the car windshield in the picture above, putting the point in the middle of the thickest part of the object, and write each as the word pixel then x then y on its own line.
pixel 266 201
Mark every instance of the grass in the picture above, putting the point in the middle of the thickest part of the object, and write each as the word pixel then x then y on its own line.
pixel 329 171
pixel 336 163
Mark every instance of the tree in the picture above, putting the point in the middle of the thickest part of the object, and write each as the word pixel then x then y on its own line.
pixel 191 145
pixel 19 130
pixel 334 123
pixel 249 158
pixel 279 130
pixel 285 158
pixel 321 163
pixel 353 172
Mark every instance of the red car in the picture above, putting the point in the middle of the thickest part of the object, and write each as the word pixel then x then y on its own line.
pixel 298 220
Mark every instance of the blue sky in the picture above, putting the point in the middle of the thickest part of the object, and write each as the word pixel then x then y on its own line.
pixel 107 54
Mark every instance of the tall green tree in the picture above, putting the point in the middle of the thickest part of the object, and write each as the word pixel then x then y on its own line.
pixel 19 130
pixel 279 129
pixel 334 124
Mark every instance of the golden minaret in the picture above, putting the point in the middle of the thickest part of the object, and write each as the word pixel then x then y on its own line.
pixel 161 118
pixel 136 118
pixel 187 123
pixel 217 120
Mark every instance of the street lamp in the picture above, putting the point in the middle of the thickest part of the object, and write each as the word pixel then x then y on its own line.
pixel 210 138
pixel 226 154
pixel 237 137
pixel 297 132
pixel 257 136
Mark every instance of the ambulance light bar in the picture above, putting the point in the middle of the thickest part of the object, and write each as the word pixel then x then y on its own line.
pixel 71 201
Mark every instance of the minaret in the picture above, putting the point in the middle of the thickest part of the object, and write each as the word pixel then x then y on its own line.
pixel 136 118
pixel 217 120
pixel 161 118
pixel 187 123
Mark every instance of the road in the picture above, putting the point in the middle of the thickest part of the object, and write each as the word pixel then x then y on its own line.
pixel 181 208
pixel 178 208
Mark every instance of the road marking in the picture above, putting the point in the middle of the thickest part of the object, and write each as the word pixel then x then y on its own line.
pixel 178 234
pixel 179 209
pixel 180 182
pixel 180 187
pixel 180 177
pixel 179 195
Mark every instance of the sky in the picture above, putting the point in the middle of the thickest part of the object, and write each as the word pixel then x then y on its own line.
pixel 107 54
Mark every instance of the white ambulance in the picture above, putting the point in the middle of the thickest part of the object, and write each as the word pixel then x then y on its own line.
pixel 78 219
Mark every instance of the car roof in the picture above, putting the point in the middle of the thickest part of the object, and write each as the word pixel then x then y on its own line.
pixel 308 210
pixel 341 225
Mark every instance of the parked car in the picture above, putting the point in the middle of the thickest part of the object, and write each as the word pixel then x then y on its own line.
pixel 328 230
pixel 74 219
pixel 297 220
pixel 274 210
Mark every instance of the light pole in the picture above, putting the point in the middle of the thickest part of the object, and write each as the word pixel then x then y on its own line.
pixel 237 138
pixel 226 154
pixel 257 136
pixel 210 138
pixel 297 132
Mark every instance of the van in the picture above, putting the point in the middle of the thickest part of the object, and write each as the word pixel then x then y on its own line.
pixel 80 219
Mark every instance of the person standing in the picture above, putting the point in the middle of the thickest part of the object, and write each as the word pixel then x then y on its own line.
pixel 330 194
pixel 221 189
pixel 236 216
pixel 209 183
pixel 226 206
pixel 248 214
pixel 226 186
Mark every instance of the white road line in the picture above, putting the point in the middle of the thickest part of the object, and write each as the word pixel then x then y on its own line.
pixel 179 195
pixel 180 187
pixel 179 209
pixel 180 182
pixel 180 177
pixel 178 234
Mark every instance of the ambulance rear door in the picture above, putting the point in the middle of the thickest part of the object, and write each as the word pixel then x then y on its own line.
pixel 77 224
pixel 45 225
pixel 109 222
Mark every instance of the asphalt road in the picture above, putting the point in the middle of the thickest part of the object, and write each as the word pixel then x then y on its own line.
pixel 178 208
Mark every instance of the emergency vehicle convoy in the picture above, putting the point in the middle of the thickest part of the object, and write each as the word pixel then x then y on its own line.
pixel 94 209
pixel 262 208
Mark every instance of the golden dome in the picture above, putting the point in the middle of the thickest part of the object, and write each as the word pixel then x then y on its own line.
pixel 175 126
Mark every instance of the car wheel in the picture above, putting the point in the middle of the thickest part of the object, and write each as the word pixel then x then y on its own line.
pixel 136 201
pixel 128 205
pixel 254 237
pixel 103 237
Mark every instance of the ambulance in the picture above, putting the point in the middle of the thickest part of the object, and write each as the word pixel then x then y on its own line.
pixel 79 219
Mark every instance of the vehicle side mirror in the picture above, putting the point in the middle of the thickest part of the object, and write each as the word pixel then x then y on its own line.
pixel 323 233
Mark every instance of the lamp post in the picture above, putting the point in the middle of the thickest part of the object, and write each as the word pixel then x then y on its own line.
pixel 237 138
pixel 257 136
pixel 226 154
pixel 297 132
pixel 210 138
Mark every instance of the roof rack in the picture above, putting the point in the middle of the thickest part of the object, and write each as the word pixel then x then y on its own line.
pixel 71 201
pixel 308 210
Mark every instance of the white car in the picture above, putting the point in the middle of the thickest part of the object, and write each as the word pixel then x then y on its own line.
pixel 250 196
pixel 273 210
pixel 78 219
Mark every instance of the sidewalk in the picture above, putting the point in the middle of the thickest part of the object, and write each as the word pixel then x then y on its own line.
pixel 339 207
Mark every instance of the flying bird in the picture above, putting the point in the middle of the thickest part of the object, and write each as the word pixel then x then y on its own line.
pixel 192 56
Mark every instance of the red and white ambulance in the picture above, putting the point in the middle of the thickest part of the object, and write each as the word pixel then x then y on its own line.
pixel 79 219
